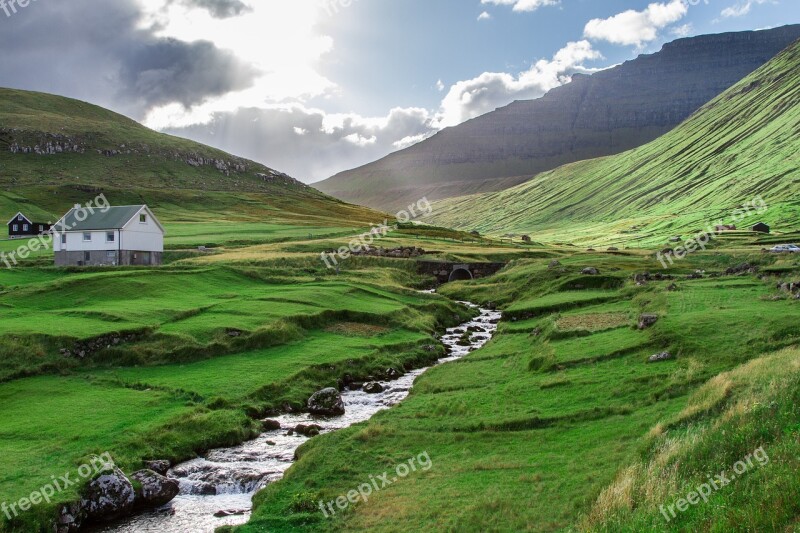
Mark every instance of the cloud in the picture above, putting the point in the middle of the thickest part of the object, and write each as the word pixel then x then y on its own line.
pixel 102 53
pixel 682 31
pixel 484 16
pixel 471 98
pixel 309 143
pixel 219 8
pixel 440 85
pixel 167 70
pixel 523 5
pixel 636 27
pixel 741 9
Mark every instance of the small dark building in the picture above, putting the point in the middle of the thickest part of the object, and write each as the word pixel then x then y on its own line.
pixel 20 227
pixel 761 228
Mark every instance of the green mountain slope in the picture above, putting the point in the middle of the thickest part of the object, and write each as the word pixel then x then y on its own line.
pixel 56 151
pixel 742 144
pixel 604 114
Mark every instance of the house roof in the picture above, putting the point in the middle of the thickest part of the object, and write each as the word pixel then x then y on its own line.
pixel 111 218
pixel 14 218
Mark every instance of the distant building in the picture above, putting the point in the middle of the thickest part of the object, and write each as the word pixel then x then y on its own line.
pixel 126 235
pixel 726 227
pixel 20 227
pixel 761 228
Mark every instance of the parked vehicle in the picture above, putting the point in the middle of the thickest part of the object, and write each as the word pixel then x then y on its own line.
pixel 786 249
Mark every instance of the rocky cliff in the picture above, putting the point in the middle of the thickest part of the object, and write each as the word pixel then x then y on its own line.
pixel 607 113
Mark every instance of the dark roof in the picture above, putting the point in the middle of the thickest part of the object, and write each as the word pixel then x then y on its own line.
pixel 14 218
pixel 111 218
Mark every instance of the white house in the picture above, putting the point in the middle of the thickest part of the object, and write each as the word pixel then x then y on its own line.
pixel 125 235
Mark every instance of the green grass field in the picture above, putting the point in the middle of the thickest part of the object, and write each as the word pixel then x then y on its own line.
pixel 536 431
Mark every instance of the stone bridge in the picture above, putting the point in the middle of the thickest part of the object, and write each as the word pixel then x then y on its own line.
pixel 446 271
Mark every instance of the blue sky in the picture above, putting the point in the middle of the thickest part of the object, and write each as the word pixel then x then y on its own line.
pixel 314 87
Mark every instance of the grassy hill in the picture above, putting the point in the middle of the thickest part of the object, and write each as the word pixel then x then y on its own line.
pixel 742 144
pixel 57 151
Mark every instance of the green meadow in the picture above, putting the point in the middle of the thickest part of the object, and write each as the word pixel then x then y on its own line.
pixel 202 352
pixel 560 423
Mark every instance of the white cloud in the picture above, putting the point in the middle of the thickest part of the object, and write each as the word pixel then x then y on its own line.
pixel 300 131
pixel 484 16
pixel 741 9
pixel 471 98
pixel 440 85
pixel 523 5
pixel 636 27
pixel 682 31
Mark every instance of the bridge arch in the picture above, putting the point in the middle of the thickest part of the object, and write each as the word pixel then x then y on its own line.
pixel 460 274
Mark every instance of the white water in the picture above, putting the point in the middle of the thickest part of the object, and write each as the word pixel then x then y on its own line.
pixel 227 479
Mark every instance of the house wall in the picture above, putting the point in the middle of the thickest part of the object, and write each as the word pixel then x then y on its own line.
pixel 108 258
pixel 146 237
pixel 75 242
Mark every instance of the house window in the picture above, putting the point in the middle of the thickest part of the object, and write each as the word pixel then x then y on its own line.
pixel 41 228
pixel 110 236
pixel 19 218
pixel 63 238
pixel 111 255
pixel 87 237
pixel 87 257
pixel 24 227
pixel 143 219
pixel 15 227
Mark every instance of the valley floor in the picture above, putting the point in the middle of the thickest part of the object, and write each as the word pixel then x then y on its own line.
pixel 558 423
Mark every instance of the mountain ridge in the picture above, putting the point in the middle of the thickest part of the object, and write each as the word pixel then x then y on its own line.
pixel 740 145
pixel 609 112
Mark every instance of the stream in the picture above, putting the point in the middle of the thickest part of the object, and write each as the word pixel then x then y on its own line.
pixel 217 489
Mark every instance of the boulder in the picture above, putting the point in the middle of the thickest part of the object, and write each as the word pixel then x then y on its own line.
pixel 647 320
pixel 373 387
pixel 270 425
pixel 554 264
pixel 392 373
pixel 155 491
pixel 660 357
pixel 327 402
pixel 160 466
pixel 230 512
pixel 590 271
pixel 672 287
pixel 108 496
pixel 70 518
pixel 308 430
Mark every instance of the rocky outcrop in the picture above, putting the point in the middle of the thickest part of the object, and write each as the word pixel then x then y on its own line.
pixel 647 320
pixel 590 271
pixel 327 402
pixel 89 347
pixel 606 113
pixel 154 489
pixel 661 357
